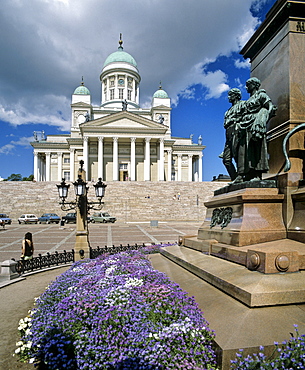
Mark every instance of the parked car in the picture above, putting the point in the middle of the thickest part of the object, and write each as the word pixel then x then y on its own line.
pixel 28 218
pixel 4 217
pixel 49 218
pixel 102 217
pixel 69 217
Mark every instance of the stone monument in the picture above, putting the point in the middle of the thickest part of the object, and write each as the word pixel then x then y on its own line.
pixel 251 245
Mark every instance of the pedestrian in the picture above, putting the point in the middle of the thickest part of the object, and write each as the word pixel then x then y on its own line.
pixel 178 196
pixel 27 247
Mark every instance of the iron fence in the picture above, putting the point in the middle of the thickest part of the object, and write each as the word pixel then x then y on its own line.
pixel 56 259
pixel 45 261
pixel 114 249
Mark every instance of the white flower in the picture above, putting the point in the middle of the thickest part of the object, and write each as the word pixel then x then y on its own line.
pixel 131 282
pixel 31 361
pixel 17 350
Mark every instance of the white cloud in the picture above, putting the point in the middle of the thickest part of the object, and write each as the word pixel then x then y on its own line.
pixel 23 141
pixel 49 45
pixel 242 63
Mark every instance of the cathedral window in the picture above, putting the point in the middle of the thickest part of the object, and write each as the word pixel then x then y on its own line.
pixel 129 82
pixel 112 81
pixel 121 93
pixel 67 175
pixel 111 94
pixel 66 160
pixel 129 94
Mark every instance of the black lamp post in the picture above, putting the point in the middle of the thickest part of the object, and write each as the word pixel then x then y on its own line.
pixel 82 207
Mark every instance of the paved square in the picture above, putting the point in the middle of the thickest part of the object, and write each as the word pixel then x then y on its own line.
pixel 52 237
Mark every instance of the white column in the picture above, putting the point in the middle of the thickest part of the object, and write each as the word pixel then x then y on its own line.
pixel 100 158
pixel 147 159
pixel 72 166
pixel 179 166
pixel 132 158
pixel 200 167
pixel 36 166
pixel 59 166
pixel 41 168
pixel 85 155
pixel 161 159
pixel 190 167
pixel 48 166
pixel 169 165
pixel 115 159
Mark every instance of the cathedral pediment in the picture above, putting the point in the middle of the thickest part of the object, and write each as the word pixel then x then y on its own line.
pixel 123 121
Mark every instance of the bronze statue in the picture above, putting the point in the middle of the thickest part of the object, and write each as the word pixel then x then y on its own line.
pixel 124 104
pixel 249 137
pixel 232 118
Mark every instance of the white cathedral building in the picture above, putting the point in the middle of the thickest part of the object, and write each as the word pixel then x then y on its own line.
pixel 118 140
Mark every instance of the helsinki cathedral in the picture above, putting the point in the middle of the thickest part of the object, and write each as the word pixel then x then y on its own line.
pixel 118 140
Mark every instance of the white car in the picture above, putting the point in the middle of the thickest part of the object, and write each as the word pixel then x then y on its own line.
pixel 28 219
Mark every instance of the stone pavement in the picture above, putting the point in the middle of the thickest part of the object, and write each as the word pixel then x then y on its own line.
pixel 17 298
pixel 51 238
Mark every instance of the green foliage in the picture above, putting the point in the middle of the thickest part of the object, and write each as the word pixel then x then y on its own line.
pixel 18 177
pixel 14 177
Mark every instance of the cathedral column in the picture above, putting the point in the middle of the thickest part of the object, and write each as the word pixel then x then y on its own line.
pixel 59 166
pixel 132 158
pixel 115 159
pixel 190 167
pixel 147 159
pixel 200 167
pixel 161 159
pixel 169 165
pixel 100 157
pixel 41 168
pixel 72 167
pixel 85 155
pixel 36 172
pixel 48 166
pixel 179 167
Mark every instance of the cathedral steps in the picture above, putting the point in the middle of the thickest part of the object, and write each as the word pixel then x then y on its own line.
pixel 127 201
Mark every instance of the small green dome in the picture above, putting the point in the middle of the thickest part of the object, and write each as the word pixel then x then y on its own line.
pixel 160 94
pixel 120 56
pixel 81 90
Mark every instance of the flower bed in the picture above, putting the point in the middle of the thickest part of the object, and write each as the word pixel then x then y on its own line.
pixel 290 355
pixel 116 312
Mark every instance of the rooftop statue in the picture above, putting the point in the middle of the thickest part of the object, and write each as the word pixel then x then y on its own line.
pixel 247 134
pixel 124 104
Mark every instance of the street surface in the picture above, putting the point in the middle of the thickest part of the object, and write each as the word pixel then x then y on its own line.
pixel 53 237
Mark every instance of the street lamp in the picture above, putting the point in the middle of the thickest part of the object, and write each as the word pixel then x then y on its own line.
pixel 82 207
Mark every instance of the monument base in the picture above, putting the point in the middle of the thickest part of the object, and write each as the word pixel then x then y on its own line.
pixel 244 225
pixel 245 216
pixel 296 229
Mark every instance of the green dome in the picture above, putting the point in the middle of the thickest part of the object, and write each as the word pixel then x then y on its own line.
pixel 120 56
pixel 160 94
pixel 81 90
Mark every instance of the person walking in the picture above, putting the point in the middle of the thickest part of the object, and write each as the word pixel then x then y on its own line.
pixel 27 247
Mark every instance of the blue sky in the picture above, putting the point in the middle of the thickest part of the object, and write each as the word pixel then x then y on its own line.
pixel 191 46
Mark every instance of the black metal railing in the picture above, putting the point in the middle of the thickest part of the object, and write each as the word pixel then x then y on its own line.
pixel 114 249
pixel 45 261
pixel 50 260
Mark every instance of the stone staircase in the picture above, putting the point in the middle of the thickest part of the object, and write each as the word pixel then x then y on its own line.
pixel 127 201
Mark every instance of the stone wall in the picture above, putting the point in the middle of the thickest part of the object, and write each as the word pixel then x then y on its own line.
pixel 127 201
